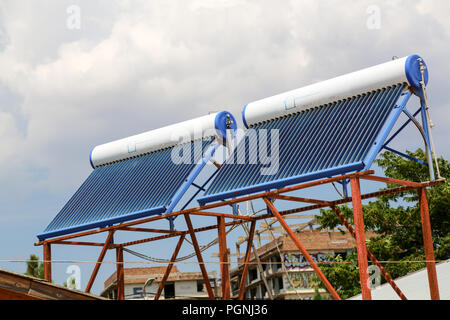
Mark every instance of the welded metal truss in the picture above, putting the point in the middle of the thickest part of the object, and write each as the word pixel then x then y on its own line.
pixel 357 231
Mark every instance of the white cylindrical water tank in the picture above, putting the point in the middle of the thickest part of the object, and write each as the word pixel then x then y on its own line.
pixel 212 125
pixel 397 71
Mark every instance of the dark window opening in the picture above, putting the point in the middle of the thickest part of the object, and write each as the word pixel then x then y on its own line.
pixel 200 287
pixel 137 292
pixel 343 254
pixel 280 283
pixel 169 291
pixel 235 284
pixel 264 267
pixel 252 274
pixel 278 262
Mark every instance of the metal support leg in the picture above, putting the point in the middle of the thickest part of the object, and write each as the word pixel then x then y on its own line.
pixel 428 244
pixel 305 253
pixel 360 239
pixel 246 260
pixel 370 255
pixel 47 262
pixel 99 261
pixel 199 256
pixel 120 274
pixel 223 253
pixel 169 267
pixel 258 261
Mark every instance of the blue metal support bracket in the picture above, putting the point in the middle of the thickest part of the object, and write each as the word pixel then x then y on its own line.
pixel 345 187
pixel 378 145
pixel 235 209
pixel 198 187
pixel 401 128
pixel 199 190
pixel 405 156
pixel 189 181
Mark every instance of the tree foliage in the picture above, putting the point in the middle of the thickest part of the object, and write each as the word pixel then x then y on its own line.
pixel 395 219
pixel 71 283
pixel 34 267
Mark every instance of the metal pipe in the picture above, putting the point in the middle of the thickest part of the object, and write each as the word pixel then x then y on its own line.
pixel 370 254
pixel 428 244
pixel 246 260
pixel 189 182
pixel 47 262
pixel 425 106
pixel 199 256
pixel 384 134
pixel 99 261
pixel 305 253
pixel 424 132
pixel 169 267
pixel 360 239
pixel 120 273
pixel 223 257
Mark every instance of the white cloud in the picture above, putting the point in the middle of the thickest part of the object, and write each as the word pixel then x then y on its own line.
pixel 10 142
pixel 137 65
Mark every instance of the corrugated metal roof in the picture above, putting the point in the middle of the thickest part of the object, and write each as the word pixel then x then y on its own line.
pixel 125 190
pixel 323 141
pixel 17 286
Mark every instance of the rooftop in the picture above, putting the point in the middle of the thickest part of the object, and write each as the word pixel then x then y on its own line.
pixel 415 285
pixel 312 240
pixel 16 286
pixel 141 275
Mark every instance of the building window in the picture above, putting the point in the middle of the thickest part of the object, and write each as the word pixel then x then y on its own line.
pixel 264 266
pixel 277 265
pixel 235 284
pixel 200 287
pixel 137 292
pixel 343 254
pixel 169 291
pixel 252 275
pixel 280 283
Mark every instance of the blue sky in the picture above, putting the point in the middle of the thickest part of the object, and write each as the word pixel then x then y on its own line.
pixel 132 66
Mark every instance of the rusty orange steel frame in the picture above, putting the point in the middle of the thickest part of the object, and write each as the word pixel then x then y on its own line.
pixel 268 197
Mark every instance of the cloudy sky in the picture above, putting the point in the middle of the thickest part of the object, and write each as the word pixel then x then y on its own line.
pixel 75 74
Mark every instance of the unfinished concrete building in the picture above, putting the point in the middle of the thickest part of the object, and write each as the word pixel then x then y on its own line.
pixel 285 271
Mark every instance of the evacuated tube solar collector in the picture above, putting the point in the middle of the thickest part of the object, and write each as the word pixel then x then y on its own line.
pixel 136 177
pixel 325 129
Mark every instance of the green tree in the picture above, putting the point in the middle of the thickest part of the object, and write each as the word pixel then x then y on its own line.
pixel 317 295
pixel 72 284
pixel 34 267
pixel 395 219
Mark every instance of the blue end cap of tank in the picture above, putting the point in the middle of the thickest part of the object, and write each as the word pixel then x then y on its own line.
pixel 412 70
pixel 243 116
pixel 90 159
pixel 221 124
